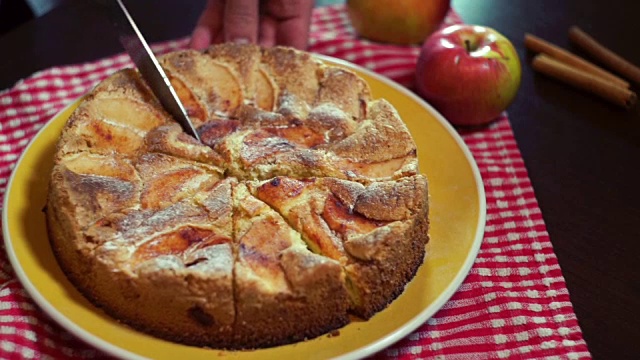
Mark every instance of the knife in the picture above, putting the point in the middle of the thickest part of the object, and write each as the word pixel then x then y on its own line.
pixel 134 43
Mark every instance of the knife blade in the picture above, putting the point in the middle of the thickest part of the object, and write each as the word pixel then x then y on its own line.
pixel 136 46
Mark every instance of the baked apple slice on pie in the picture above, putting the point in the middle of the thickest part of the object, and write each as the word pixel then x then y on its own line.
pixel 207 87
pixel 259 88
pixel 168 179
pixel 115 117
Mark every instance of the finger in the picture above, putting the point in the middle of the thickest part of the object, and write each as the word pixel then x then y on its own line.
pixel 267 33
pixel 287 9
pixel 241 21
pixel 293 19
pixel 294 32
pixel 218 39
pixel 209 25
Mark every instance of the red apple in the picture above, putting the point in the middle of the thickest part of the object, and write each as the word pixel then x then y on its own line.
pixel 469 73
pixel 403 22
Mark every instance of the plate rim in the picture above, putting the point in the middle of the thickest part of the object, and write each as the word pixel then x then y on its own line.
pixel 367 350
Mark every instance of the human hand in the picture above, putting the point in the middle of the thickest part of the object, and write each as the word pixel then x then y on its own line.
pixel 265 22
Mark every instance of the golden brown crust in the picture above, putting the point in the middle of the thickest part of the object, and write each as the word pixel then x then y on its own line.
pixel 302 205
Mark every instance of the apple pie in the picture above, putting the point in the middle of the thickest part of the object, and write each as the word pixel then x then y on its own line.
pixel 301 208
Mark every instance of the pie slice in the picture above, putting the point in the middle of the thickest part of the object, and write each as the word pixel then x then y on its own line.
pixel 377 232
pixel 278 280
pixel 140 258
pixel 84 188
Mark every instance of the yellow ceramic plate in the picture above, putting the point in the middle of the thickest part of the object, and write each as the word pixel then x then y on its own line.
pixel 457 219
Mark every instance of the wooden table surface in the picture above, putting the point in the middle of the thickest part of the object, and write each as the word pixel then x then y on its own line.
pixel 581 152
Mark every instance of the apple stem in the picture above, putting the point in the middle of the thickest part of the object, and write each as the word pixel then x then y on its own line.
pixel 467 44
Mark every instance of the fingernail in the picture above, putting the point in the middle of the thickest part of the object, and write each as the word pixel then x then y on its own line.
pixel 266 43
pixel 241 40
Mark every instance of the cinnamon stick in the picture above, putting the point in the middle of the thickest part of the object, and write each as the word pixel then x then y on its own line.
pixel 584 80
pixel 603 54
pixel 536 44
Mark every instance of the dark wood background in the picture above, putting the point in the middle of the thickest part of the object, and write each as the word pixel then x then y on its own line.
pixel 582 156
pixel 582 153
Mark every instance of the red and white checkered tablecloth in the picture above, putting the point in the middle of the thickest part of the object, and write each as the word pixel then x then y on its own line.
pixel 513 304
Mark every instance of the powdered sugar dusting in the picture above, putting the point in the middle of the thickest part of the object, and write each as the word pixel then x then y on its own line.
pixel 168 219
pixel 291 105
pixel 160 263
pixel 328 110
